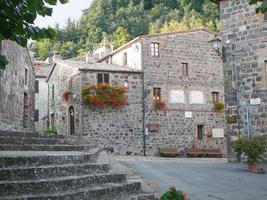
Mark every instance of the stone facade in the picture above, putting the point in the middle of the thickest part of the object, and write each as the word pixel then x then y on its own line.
pixel 187 71
pixel 16 89
pixel 41 96
pixel 244 34
pixel 120 128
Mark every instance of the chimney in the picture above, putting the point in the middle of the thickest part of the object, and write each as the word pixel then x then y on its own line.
pixel 56 56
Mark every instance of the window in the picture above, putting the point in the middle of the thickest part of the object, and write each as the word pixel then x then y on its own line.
pixel 200 132
pixel 26 77
pixel 154 49
pixel 265 17
pixel 36 115
pixel 102 78
pixel 196 97
pixel 124 59
pixel 36 86
pixel 156 94
pixel 53 92
pixel 185 69
pixel 215 97
pixel 71 83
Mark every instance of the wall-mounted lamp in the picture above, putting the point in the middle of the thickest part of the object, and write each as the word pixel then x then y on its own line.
pixel 126 84
pixel 217 46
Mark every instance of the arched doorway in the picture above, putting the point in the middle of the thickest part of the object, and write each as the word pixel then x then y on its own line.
pixel 71 120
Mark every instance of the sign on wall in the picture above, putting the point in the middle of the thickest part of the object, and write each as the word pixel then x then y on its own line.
pixel 177 96
pixel 196 97
pixel 187 114
pixel 255 101
pixel 217 133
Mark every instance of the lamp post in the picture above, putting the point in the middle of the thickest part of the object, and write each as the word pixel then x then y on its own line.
pixel 146 92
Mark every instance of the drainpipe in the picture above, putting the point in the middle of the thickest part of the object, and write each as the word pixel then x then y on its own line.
pixel 144 102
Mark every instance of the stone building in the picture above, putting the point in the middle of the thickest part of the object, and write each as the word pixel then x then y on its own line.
pixel 182 70
pixel 120 128
pixel 16 89
pixel 244 36
pixel 41 96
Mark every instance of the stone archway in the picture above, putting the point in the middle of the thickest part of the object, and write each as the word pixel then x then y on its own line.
pixel 71 120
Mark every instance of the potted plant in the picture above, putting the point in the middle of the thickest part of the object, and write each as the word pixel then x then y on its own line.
pixel 173 194
pixel 232 119
pixel 253 150
pixel 160 105
pixel 66 95
pixel 219 106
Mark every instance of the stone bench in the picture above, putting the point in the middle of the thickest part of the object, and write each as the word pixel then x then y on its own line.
pixel 213 152
pixel 169 151
pixel 194 152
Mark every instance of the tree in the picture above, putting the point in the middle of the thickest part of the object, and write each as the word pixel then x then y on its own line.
pixel 262 5
pixel 120 37
pixel 44 48
pixel 174 26
pixel 17 21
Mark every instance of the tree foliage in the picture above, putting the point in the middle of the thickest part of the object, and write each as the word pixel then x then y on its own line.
pixel 17 21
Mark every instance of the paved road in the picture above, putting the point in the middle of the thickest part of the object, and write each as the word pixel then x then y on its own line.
pixel 203 180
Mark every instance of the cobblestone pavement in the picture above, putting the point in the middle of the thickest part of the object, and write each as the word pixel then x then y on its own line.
pixel 203 179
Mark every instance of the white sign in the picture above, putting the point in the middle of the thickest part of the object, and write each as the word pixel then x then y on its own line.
pixel 177 96
pixel 188 114
pixel 196 97
pixel 218 133
pixel 255 101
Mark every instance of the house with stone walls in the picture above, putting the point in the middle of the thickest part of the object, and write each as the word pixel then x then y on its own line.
pixel 182 73
pixel 41 96
pixel 244 40
pixel 110 127
pixel 16 89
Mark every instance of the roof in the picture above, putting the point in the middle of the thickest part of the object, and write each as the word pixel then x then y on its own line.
pixel 137 39
pixel 83 66
pixel 43 70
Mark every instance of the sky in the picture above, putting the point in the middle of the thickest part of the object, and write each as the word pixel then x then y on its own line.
pixel 61 12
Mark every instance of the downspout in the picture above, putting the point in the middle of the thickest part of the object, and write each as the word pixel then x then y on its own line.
pixel 144 103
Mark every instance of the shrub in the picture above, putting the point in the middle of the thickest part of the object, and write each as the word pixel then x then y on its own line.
pixel 102 95
pixel 253 148
pixel 160 105
pixel 173 194
pixel 219 106
pixel 50 131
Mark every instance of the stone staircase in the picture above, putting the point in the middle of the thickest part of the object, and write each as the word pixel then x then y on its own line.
pixel 34 166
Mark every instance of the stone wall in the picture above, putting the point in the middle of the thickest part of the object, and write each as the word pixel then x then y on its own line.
pixel 14 113
pixel 244 34
pixel 120 128
pixel 205 74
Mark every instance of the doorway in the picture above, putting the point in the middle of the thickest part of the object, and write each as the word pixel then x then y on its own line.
pixel 71 120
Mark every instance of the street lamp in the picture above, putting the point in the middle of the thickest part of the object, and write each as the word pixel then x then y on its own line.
pixel 216 44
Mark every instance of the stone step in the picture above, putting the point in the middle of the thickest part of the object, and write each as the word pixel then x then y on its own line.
pixel 58 184
pixel 12 134
pixel 112 191
pixel 52 171
pixel 15 159
pixel 42 141
pixel 46 147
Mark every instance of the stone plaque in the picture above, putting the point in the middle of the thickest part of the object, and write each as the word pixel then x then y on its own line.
pixel 188 114
pixel 196 97
pixel 177 96
pixel 255 101
pixel 217 133
pixel 153 127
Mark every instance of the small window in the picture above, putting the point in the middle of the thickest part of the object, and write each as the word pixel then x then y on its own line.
pixel 156 94
pixel 265 66
pixel 200 132
pixel 36 86
pixel 265 17
pixel 102 78
pixel 36 115
pixel 154 49
pixel 125 59
pixel 185 69
pixel 215 97
pixel 26 77
pixel 53 92
pixel 71 83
